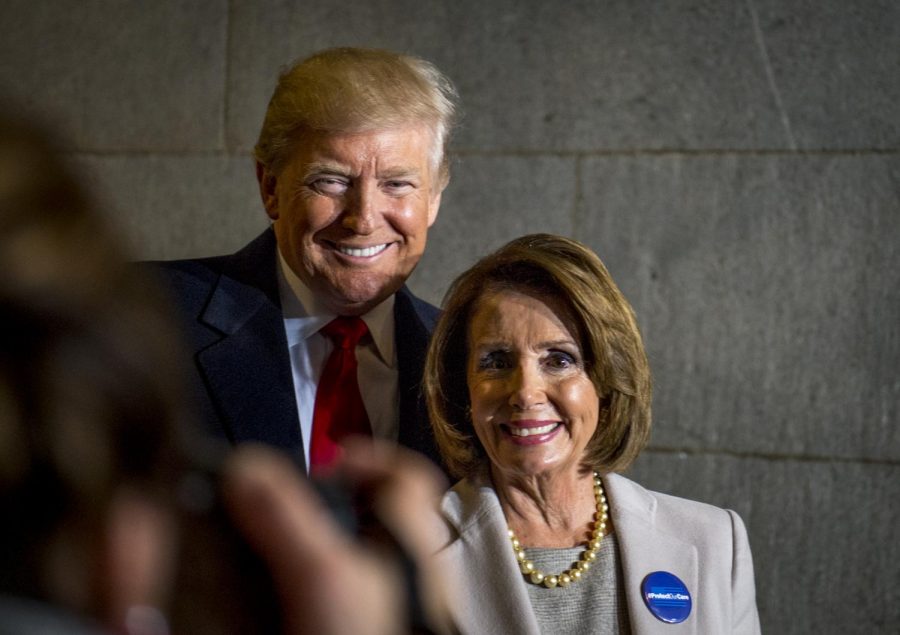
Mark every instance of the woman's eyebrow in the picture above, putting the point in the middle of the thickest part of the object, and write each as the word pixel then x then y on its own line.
pixel 505 346
pixel 557 343
pixel 491 345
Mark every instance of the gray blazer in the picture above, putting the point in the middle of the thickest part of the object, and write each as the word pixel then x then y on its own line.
pixel 706 547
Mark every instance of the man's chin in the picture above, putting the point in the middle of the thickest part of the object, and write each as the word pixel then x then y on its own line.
pixel 357 299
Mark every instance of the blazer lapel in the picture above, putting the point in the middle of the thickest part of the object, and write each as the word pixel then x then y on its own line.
pixel 491 596
pixel 644 548
pixel 248 370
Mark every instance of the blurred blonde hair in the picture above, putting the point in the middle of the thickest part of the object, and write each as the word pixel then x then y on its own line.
pixel 552 267
pixel 351 90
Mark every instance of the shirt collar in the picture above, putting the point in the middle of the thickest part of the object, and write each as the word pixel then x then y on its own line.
pixel 305 314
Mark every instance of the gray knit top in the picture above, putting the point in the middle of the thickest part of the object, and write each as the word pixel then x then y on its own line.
pixel 595 604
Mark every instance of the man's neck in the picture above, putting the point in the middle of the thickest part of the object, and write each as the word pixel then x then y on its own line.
pixel 299 301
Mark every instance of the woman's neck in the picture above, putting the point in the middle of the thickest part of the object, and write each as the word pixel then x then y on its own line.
pixel 554 510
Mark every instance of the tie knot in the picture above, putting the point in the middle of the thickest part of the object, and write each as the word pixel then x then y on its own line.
pixel 345 331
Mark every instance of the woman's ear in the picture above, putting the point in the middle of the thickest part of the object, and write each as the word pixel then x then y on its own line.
pixel 139 554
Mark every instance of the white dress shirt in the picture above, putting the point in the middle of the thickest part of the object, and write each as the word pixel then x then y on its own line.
pixel 376 357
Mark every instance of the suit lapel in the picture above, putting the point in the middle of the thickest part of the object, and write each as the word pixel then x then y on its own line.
pixel 248 370
pixel 644 548
pixel 414 321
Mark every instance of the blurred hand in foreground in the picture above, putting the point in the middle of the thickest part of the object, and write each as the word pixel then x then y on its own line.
pixel 327 580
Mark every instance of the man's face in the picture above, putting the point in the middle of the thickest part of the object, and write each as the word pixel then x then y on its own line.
pixel 351 212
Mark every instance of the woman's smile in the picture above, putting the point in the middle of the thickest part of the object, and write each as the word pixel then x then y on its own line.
pixel 530 432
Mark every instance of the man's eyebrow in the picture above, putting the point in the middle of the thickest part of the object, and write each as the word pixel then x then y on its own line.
pixel 322 167
pixel 398 171
pixel 328 168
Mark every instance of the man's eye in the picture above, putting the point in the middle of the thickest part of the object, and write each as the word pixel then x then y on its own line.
pixel 329 185
pixel 397 187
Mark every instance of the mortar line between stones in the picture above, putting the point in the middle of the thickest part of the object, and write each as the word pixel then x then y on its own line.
pixel 771 456
pixel 578 206
pixel 770 74
pixel 639 152
pixel 226 110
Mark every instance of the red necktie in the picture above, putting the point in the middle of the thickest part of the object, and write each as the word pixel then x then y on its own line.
pixel 339 409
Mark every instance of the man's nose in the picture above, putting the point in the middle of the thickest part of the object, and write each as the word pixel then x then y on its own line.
pixel 526 387
pixel 361 211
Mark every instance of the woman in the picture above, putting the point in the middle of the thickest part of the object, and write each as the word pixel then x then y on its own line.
pixel 539 393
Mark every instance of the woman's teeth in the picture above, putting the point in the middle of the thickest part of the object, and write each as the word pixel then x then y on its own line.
pixel 528 432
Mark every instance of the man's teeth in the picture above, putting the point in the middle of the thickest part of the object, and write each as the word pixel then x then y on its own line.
pixel 527 432
pixel 365 252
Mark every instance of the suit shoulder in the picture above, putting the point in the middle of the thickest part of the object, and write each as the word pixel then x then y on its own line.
pixel 189 281
pixel 188 269
pixel 670 504
pixel 426 312
pixel 682 515
pixel 471 501
pixel 190 274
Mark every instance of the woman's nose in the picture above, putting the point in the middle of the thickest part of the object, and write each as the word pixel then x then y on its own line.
pixel 526 388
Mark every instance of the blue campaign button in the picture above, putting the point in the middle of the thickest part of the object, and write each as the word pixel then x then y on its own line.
pixel 666 596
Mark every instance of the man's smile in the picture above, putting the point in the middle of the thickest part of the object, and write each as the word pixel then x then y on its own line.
pixel 360 252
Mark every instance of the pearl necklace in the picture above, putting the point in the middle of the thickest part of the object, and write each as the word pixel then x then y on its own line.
pixel 564 579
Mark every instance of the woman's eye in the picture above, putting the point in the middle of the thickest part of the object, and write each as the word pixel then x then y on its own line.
pixel 561 360
pixel 493 361
pixel 329 185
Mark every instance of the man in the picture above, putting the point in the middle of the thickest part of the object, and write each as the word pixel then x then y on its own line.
pixel 92 454
pixel 351 165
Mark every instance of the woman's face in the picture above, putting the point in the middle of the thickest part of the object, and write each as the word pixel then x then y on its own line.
pixel 534 408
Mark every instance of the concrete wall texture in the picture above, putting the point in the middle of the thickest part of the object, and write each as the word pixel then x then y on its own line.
pixel 736 163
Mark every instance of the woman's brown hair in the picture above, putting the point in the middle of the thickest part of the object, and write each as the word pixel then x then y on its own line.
pixel 610 341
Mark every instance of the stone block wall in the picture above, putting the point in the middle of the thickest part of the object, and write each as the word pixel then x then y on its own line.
pixel 736 163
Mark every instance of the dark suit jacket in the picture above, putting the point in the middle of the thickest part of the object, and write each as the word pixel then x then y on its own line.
pixel 243 381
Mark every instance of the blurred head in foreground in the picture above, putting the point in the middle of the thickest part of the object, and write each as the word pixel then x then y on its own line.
pixel 89 398
pixel 110 515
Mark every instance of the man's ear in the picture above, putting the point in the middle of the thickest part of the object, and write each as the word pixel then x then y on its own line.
pixel 433 206
pixel 267 182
